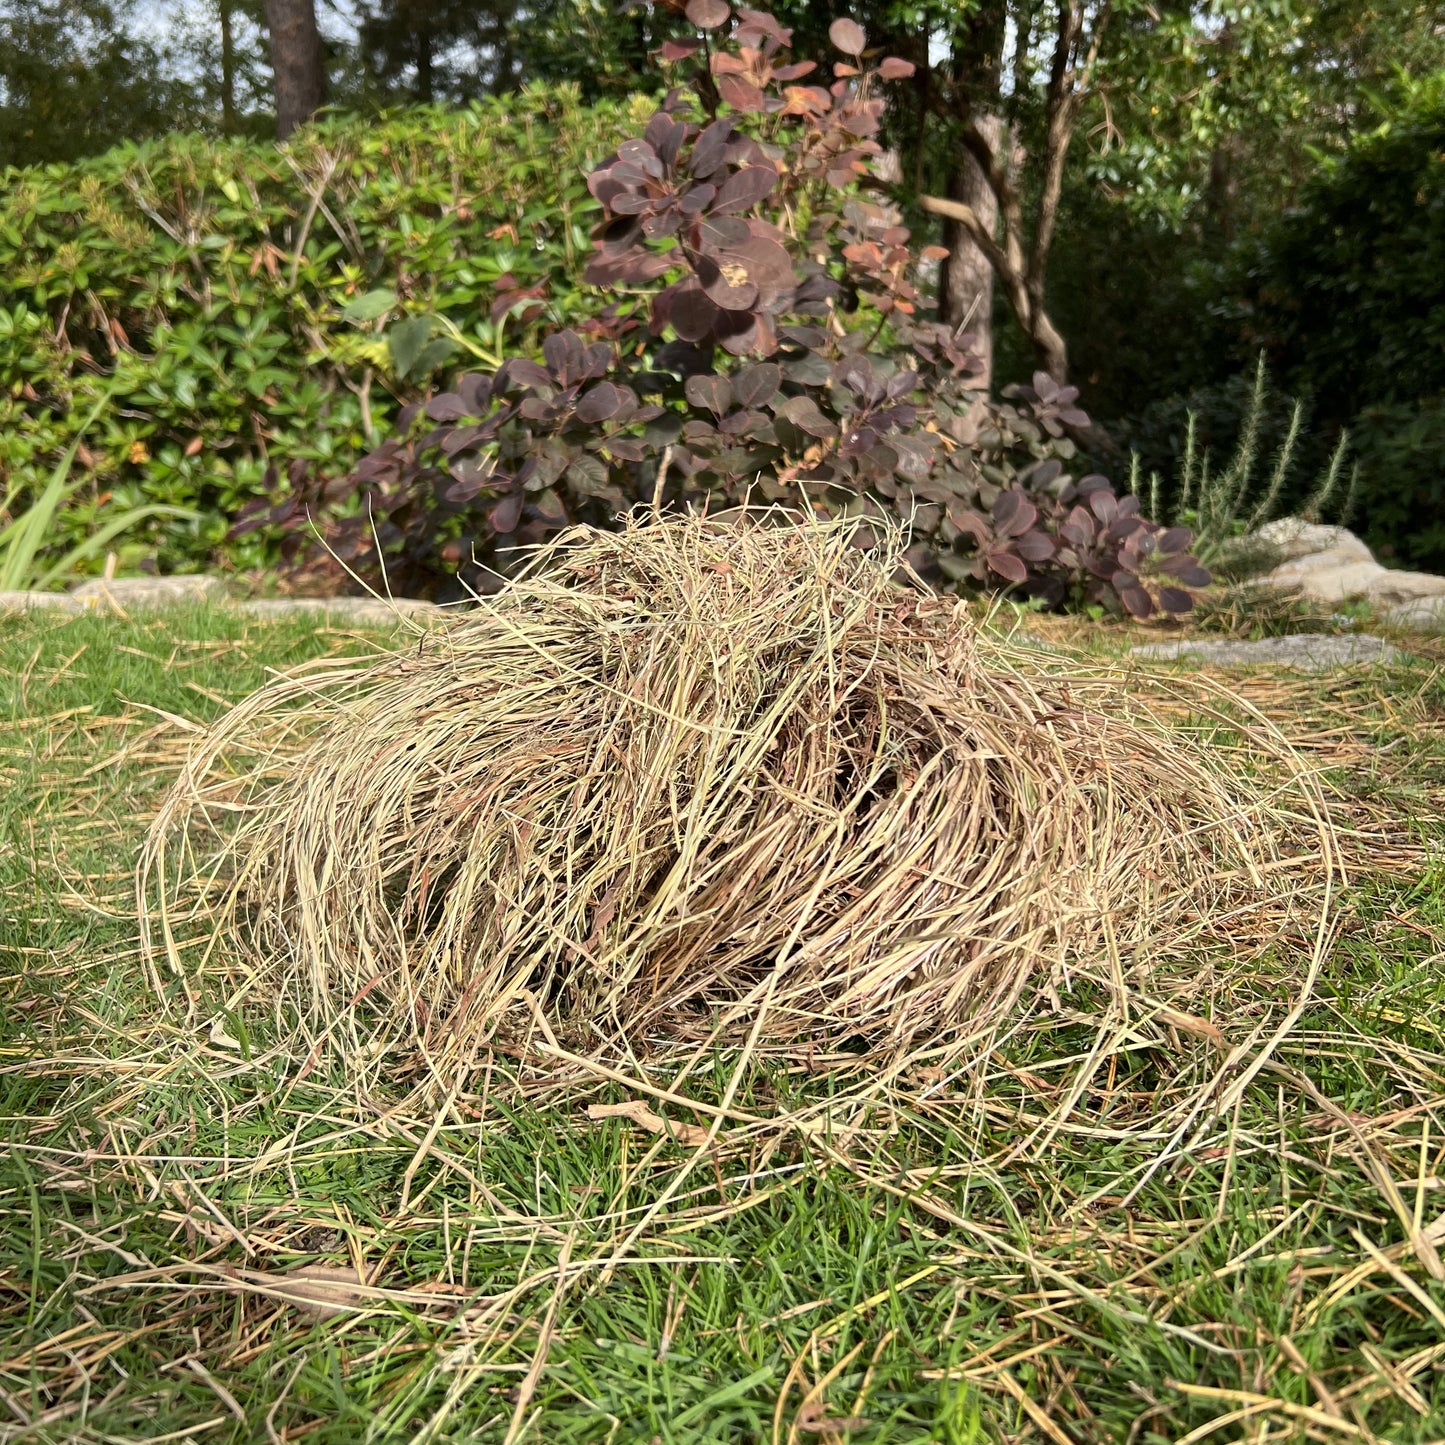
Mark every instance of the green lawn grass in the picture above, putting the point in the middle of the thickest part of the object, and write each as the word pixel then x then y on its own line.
pixel 932 1265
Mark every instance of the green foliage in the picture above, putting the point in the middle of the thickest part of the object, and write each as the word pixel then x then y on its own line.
pixel 1348 290
pixel 233 298
pixel 1346 295
pixel 1214 112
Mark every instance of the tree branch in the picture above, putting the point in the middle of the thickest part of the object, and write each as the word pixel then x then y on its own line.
pixel 1010 275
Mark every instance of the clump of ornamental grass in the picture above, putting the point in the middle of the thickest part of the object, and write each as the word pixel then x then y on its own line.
pixel 699 783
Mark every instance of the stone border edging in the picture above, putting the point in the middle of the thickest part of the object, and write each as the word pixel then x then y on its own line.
pixel 122 593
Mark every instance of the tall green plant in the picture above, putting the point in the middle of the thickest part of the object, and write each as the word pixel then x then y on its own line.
pixel 25 564
pixel 1226 506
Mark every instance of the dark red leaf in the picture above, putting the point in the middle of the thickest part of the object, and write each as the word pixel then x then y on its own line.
pixel 1008 566
pixel 717 234
pixel 447 407
pixel 847 36
pixel 741 94
pixel 757 385
pixel 671 50
pixel 709 147
pixel 744 189
pixel 971 524
pixel 1138 601
pixel 527 373
pixel 707 14
pixel 601 403
pixel 803 412
pixel 640 154
pixel 475 391
pixel 562 351
pixel 1175 599
pixel 727 285
pixel 711 393
pixel 508 512
pixel 1013 513
pixel 697 199
pixel 894 68
pixel 766 263
pixel 693 315
pixel 1191 576
pixel 1035 547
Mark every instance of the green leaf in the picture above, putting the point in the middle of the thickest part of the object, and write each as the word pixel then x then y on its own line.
pixel 370 306
pixel 407 340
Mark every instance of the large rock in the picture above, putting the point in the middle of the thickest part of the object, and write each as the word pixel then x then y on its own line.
pixel 1424 614
pixel 1303 651
pixel 1329 564
pixel 1289 538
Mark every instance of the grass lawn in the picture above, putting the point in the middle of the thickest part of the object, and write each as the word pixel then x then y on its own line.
pixel 956 1259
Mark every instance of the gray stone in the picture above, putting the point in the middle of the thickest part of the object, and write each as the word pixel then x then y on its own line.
pixel 1289 538
pixel 1329 564
pixel 1424 614
pixel 1303 651
pixel 369 611
pixel 1327 577
pixel 150 591
pixel 29 601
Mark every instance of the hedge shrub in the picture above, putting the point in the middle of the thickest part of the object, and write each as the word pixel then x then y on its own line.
pixel 233 296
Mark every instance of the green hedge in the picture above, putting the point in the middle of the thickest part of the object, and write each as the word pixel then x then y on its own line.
pixel 233 295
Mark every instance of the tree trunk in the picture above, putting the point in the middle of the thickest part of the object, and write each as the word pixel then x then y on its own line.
pixel 1222 195
pixel 424 85
pixel 296 62
pixel 965 283
pixel 228 70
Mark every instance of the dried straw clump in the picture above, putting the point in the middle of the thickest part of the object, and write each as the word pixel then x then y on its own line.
pixel 693 781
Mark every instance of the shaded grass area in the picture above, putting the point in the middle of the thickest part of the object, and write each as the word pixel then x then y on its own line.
pixel 953 1259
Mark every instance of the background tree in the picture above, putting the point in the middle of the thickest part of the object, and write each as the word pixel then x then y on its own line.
pixel 74 79
pixel 433 50
pixel 297 62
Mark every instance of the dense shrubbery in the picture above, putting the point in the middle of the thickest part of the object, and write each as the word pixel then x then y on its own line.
pixel 775 353
pixel 1345 295
pixel 214 286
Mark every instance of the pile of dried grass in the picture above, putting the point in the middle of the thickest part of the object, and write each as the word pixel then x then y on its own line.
pixel 697 781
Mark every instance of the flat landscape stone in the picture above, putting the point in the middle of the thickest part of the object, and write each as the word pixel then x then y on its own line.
pixel 25 601
pixel 150 591
pixel 1302 651
pixel 370 610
